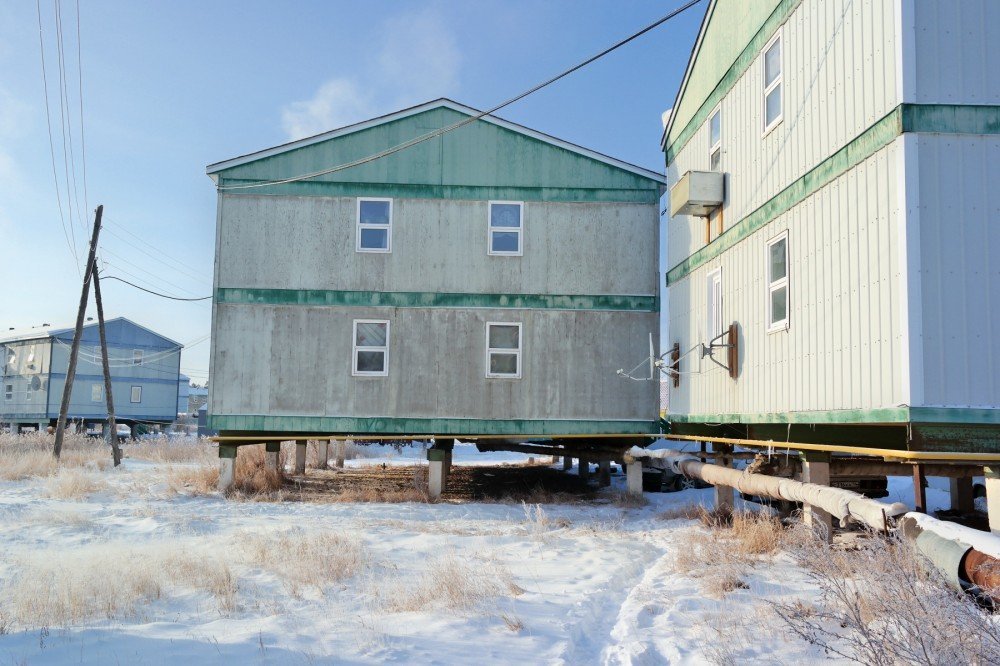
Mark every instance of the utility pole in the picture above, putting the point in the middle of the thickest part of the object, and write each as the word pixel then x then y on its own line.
pixel 75 350
pixel 111 436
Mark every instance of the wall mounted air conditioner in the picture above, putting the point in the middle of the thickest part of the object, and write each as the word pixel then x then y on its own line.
pixel 697 193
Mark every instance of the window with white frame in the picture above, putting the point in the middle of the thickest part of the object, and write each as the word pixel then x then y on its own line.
pixel 714 327
pixel 772 83
pixel 777 283
pixel 374 225
pixel 506 225
pixel 8 392
pixel 136 357
pixel 136 395
pixel 715 140
pixel 371 348
pixel 28 393
pixel 96 392
pixel 503 353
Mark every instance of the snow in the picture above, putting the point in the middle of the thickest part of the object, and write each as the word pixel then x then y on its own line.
pixel 598 580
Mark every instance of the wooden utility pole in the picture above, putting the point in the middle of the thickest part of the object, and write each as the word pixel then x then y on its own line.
pixel 111 436
pixel 75 350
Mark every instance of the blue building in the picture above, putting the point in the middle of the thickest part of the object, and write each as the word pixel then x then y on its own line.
pixel 145 373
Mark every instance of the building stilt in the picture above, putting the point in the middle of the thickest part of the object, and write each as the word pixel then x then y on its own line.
pixel 992 479
pixel 567 463
pixel 961 494
pixel 604 473
pixel 300 456
pixel 272 451
pixel 633 476
pixel 323 449
pixel 340 449
pixel 816 469
pixel 725 496
pixel 227 467
pixel 583 469
pixel 436 472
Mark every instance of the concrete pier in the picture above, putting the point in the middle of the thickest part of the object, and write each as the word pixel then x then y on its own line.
pixel 300 456
pixel 816 469
pixel 633 477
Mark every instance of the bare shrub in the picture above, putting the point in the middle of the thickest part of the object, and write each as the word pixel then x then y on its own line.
pixel 722 583
pixel 252 477
pixel 372 494
pixel 882 605
pixel 174 450
pixel 538 520
pixel 17 465
pixel 73 483
pixel 629 501
pixel 454 584
pixel 299 558
pixel 200 479
pixel 683 512
pixel 512 622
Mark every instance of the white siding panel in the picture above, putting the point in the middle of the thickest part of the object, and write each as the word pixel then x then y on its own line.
pixel 956 52
pixel 959 271
pixel 842 349
pixel 839 70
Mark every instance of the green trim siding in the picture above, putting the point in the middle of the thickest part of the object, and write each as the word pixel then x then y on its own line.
pixel 892 415
pixel 417 299
pixel 451 192
pixel 426 426
pixel 739 67
pixel 926 118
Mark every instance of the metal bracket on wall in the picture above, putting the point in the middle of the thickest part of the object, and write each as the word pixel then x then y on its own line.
pixel 731 345
pixel 675 365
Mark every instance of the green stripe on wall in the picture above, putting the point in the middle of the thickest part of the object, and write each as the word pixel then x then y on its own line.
pixel 926 118
pixel 649 195
pixel 858 416
pixel 350 425
pixel 421 299
pixel 732 75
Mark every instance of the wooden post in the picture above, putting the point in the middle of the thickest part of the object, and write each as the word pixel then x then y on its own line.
pixel 77 333
pixel 323 451
pixel 567 463
pixel 300 456
pixel 604 473
pixel 111 436
pixel 961 494
pixel 340 449
pixel 725 496
pixel 919 489
pixel 272 451
pixel 583 469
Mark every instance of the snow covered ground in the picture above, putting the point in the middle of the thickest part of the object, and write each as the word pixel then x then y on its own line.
pixel 583 583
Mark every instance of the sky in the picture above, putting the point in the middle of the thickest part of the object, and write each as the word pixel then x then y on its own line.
pixel 170 87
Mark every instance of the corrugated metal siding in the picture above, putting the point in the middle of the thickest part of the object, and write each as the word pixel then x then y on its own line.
pixel 959 271
pixel 839 73
pixel 956 52
pixel 842 348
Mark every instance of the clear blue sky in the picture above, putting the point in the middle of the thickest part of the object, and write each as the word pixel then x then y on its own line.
pixel 169 87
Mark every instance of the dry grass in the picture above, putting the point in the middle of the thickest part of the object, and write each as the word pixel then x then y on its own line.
pixel 73 484
pixel 177 450
pixel 252 477
pixel 539 521
pixel 200 479
pixel 683 512
pixel 454 584
pixel 314 559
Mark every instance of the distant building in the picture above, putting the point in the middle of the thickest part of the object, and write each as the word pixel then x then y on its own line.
pixel 490 280
pixel 833 169
pixel 197 398
pixel 145 372
pixel 183 394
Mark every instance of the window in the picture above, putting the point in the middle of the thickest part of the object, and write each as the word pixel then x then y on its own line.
pixel 777 283
pixel 8 392
pixel 136 357
pixel 97 355
pixel 371 348
pixel 715 140
pixel 31 354
pixel 503 341
pixel 506 225
pixel 772 83
pixel 374 225
pixel 715 326
pixel 28 392
pixel 97 392
pixel 136 394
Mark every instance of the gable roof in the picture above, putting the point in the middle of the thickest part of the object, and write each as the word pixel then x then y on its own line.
pixel 45 331
pixel 215 168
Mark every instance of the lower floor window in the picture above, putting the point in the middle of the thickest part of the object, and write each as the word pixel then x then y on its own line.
pixel 371 347
pixel 136 394
pixel 97 392
pixel 8 392
pixel 503 355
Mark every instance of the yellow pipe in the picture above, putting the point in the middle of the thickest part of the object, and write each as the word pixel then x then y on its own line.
pixel 222 439
pixel 887 454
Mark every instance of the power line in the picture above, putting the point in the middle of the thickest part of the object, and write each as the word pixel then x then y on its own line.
pixel 201 279
pixel 83 140
pixel 52 149
pixel 470 119
pixel 155 293
pixel 146 243
pixel 69 159
pixel 146 271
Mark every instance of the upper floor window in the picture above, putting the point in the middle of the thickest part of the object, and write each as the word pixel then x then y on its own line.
pixel 374 228
pixel 8 392
pixel 136 357
pixel 503 353
pixel 777 283
pixel 506 226
pixel 371 348
pixel 136 395
pixel 715 140
pixel 772 83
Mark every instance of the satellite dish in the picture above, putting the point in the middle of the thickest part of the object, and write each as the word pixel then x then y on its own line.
pixel 36 383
